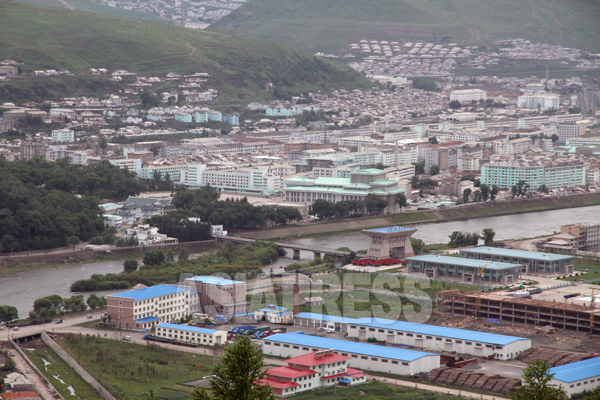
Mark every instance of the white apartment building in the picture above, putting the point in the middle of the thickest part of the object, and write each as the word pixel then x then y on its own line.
pixel 174 172
pixel 468 95
pixel 63 135
pixel 54 153
pixel 191 334
pixel 130 164
pixel 243 180
pixel 508 174
pixel 592 176
pixel 584 141
pixel 568 130
pixel 515 146
pixel 538 99
pixel 468 163
pixel 356 141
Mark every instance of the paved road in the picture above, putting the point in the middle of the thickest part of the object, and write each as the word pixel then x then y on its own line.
pixel 36 380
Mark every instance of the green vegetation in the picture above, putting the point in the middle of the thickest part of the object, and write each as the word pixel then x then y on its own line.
pixel 8 313
pixel 236 374
pixel 45 37
pixel 587 263
pixel 330 26
pixel 125 368
pixel 581 275
pixel 426 84
pixel 537 383
pixel 229 259
pixel 59 369
pixel 460 239
pixel 374 390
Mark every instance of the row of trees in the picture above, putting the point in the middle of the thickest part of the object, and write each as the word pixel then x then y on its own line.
pixel 53 305
pixel 483 194
pixel 372 205
pixel 462 239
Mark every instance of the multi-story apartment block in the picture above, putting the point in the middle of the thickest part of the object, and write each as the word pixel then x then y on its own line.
pixel 443 158
pixel 243 180
pixel 515 146
pixel 468 163
pixel 232 119
pixel 144 308
pixel 32 150
pixel 468 95
pixel 172 172
pixel 506 174
pixel 538 99
pixel 568 130
pixel 218 295
pixel 584 141
pixel 587 233
pixel 75 156
pixel 63 135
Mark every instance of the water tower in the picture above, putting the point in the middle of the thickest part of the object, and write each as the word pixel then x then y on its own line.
pixel 394 238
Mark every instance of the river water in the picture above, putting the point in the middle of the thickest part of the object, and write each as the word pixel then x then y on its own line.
pixel 23 288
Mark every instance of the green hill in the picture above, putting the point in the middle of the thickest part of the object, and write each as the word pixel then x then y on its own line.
pixel 46 37
pixel 316 25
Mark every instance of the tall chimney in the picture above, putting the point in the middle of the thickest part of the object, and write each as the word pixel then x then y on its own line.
pixel 297 294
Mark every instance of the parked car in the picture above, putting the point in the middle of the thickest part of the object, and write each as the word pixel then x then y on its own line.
pixel 127 338
pixel 16 328
pixel 90 316
pixel 320 329
pixel 60 321
pixel 28 371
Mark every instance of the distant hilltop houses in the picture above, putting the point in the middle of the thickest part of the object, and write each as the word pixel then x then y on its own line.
pixel 288 111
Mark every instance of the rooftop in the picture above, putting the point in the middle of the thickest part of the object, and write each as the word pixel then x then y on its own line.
pixel 188 328
pixel 149 293
pixel 465 262
pixel 311 359
pixel 390 229
pixel 347 346
pixel 214 280
pixel 455 333
pixel 577 371
pixel 517 253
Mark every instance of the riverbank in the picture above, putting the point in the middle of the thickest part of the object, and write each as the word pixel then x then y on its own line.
pixel 462 213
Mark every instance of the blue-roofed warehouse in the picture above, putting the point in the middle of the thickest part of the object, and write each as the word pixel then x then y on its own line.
pixel 421 336
pixel 363 355
pixel 578 376
pixel 532 262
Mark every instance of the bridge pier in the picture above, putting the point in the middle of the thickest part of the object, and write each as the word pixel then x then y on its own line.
pixel 339 260
pixel 296 254
pixel 317 254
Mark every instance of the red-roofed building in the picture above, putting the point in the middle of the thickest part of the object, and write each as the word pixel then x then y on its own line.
pixel 312 371
pixel 21 396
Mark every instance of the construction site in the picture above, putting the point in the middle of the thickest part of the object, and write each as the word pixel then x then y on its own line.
pixel 540 313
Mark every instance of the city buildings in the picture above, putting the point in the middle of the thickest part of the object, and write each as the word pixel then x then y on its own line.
pixel 218 295
pixel 569 130
pixel 538 99
pixel 191 334
pixel 587 235
pixel 506 173
pixel 312 371
pixel 63 135
pixel 31 150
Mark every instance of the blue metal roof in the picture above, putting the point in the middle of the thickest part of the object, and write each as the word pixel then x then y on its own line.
pixel 187 328
pixel 147 319
pixel 516 253
pixel 390 229
pixel 149 293
pixel 432 330
pixel 215 280
pixel 464 262
pixel 577 371
pixel 348 346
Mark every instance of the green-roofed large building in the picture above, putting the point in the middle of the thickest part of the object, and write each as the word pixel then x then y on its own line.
pixel 362 182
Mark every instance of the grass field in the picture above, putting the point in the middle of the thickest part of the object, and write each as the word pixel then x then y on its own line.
pixel 126 369
pixel 57 369
pixel 373 390
pixel 47 37
pixel 587 263
pixel 330 26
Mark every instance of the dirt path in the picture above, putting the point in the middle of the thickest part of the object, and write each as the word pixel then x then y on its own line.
pixel 193 49
pixel 70 7
pixel 35 379
pixel 556 21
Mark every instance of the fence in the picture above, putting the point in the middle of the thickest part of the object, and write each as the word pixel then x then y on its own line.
pixel 35 368
pixel 78 368
pixel 559 286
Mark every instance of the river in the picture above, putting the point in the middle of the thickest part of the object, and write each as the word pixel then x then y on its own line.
pixel 23 288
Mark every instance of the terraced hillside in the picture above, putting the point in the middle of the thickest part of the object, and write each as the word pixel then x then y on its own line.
pixel 46 37
pixel 316 25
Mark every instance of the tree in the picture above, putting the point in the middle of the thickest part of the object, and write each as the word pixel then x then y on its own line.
pixel 94 301
pixel 130 266
pixel 554 138
pixel 184 254
pixel 323 208
pixel 8 313
pixel 537 383
pixel 154 257
pixel 73 241
pixel 543 189
pixel 419 167
pixel 170 256
pixel 417 244
pixel 485 191
pixel 401 200
pixel 494 192
pixel 236 374
pixel 488 236
pixel 433 140
pixel 466 194
pixel 434 170
pixel 454 104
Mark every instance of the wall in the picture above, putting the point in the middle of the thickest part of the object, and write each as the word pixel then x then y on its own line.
pixel 78 368
pixel 191 246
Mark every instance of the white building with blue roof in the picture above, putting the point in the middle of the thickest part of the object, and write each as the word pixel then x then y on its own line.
pixel 274 314
pixel 144 308
pixel 191 334
pixel 421 336
pixel 578 376
pixel 363 355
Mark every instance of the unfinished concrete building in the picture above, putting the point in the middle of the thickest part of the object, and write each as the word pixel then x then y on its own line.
pixel 526 311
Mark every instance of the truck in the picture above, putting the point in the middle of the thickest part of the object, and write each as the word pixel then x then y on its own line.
pixel 158 339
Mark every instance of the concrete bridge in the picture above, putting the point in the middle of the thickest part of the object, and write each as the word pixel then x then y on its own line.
pixel 318 251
